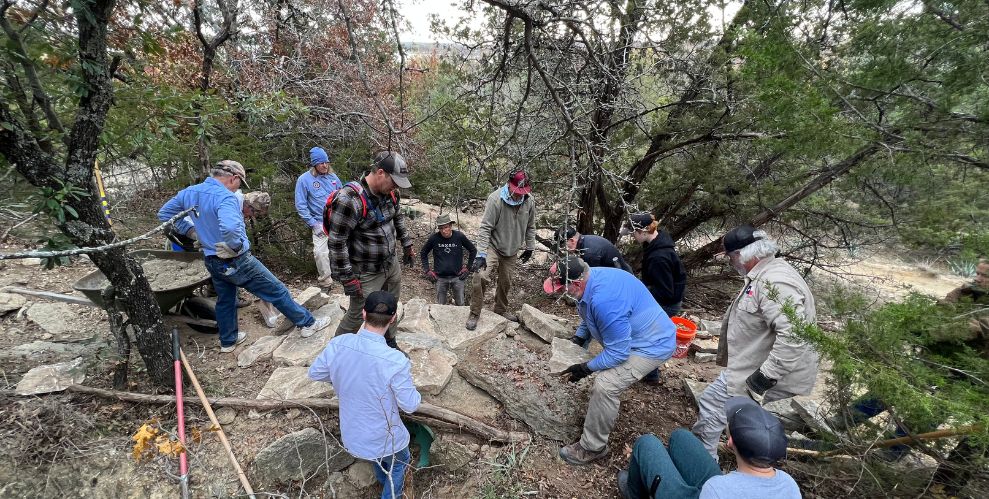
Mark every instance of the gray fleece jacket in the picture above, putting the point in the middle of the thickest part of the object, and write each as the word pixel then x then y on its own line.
pixel 505 228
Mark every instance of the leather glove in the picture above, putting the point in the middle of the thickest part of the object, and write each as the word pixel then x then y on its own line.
pixel 430 275
pixel 526 255
pixel 576 372
pixel 464 272
pixel 353 288
pixel 224 251
pixel 479 263
pixel 757 384
pixel 407 259
pixel 581 342
pixel 318 232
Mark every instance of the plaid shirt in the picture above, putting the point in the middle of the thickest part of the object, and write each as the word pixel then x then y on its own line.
pixel 363 246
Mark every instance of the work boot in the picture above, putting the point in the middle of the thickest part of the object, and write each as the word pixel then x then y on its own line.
pixel 318 325
pixel 471 322
pixel 652 378
pixel 510 316
pixel 577 455
pixel 623 484
pixel 240 339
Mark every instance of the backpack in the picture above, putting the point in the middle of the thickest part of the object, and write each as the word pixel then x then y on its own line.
pixel 362 195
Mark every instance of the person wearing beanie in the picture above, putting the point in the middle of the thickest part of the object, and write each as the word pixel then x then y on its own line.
pixel 311 191
pixel 686 471
pixel 763 356
pixel 616 310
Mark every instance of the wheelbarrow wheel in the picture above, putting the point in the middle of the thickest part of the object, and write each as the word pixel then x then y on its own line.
pixel 200 308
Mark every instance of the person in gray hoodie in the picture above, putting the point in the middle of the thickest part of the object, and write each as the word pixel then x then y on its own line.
pixel 508 224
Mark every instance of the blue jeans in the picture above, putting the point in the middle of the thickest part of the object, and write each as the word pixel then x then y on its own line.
pixel 247 272
pixel 397 463
pixel 678 472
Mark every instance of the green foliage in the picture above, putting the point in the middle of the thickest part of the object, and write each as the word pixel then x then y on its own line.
pixel 55 243
pixel 53 201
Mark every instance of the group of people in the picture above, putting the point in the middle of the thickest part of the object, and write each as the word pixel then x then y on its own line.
pixel 357 230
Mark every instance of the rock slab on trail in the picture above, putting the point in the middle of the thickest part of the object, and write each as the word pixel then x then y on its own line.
pixel 10 302
pixel 298 351
pixel 432 362
pixel 59 319
pixel 521 381
pixel 565 354
pixel 416 318
pixel 449 321
pixel 543 325
pixel 52 378
pixel 288 383
pixel 298 456
pixel 261 349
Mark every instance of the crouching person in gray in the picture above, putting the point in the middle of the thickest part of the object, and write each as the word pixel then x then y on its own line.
pixel 765 359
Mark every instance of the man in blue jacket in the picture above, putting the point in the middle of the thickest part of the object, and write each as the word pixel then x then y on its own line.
pixel 219 224
pixel 618 311
pixel 311 191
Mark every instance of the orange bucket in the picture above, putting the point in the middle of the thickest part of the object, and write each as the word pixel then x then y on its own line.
pixel 686 330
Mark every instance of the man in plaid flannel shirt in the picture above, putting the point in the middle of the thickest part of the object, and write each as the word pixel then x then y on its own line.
pixel 362 234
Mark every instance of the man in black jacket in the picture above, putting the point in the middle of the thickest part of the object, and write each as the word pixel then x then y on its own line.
pixel 449 270
pixel 596 251
pixel 662 272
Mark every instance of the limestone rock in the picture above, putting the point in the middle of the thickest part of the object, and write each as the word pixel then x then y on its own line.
pixel 790 418
pixel 261 349
pixel 543 325
pixel 694 388
pixel 449 453
pixel 59 319
pixel 416 319
pixel 298 456
pixel 293 383
pixel 338 487
pixel 450 319
pixel 565 354
pixel 810 412
pixel 703 358
pixel 52 378
pixel 10 302
pixel 432 362
pixel 467 399
pixel 714 327
pixel 298 351
pixel 312 299
pixel 42 350
pixel 520 380
pixel 361 474
pixel 226 415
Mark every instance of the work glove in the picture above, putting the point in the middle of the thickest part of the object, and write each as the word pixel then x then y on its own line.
pixel 757 384
pixel 430 275
pixel 317 231
pixel 576 372
pixel 577 340
pixel 353 288
pixel 479 263
pixel 192 234
pixel 407 259
pixel 223 251
pixel 464 272
pixel 526 255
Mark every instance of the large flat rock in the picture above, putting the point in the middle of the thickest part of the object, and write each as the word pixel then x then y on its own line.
pixel 298 351
pixel 467 399
pixel 288 383
pixel 299 456
pixel 61 320
pixel 449 321
pixel 260 350
pixel 312 299
pixel 520 379
pixel 10 302
pixel 432 362
pixel 52 378
pixel 566 353
pixel 543 325
pixel 416 319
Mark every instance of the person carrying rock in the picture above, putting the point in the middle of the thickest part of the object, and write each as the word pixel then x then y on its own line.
pixel 763 356
pixel 311 192
pixel 364 224
pixel 449 270
pixel 616 310
pixel 373 382
pixel 686 471
pixel 219 223
pixel 596 251
pixel 508 223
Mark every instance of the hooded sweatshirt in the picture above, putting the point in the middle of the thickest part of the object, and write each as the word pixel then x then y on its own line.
pixel 507 226
pixel 662 272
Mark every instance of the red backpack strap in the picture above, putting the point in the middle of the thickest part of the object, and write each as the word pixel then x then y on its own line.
pixel 327 209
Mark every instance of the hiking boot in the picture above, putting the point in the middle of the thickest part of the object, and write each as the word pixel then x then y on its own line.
pixel 319 325
pixel 471 322
pixel 510 316
pixel 577 455
pixel 623 484
pixel 240 339
pixel 652 378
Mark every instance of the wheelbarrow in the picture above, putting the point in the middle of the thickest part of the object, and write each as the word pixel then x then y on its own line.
pixel 173 287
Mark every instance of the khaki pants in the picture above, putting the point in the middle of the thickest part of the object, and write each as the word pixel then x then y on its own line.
pixel 602 410
pixel 503 267
pixel 389 280
pixel 321 253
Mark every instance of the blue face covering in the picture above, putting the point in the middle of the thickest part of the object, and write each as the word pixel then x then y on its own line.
pixel 507 197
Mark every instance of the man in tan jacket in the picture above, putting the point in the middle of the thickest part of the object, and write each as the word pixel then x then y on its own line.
pixel 764 356
pixel 508 223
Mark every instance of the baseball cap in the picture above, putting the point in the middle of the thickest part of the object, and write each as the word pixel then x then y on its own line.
pixel 561 273
pixel 519 182
pixel 739 237
pixel 638 221
pixel 758 436
pixel 381 302
pixel 394 164
pixel 234 168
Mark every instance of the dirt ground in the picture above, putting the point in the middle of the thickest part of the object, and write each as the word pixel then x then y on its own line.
pixel 69 444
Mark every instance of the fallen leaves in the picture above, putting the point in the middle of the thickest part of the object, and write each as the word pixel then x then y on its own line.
pixel 150 439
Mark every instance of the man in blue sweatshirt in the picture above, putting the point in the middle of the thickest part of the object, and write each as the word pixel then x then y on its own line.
pixel 617 310
pixel 311 191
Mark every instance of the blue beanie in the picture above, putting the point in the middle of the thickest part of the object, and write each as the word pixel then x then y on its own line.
pixel 317 156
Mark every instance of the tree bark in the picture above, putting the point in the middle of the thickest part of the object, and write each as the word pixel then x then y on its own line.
pixel 229 11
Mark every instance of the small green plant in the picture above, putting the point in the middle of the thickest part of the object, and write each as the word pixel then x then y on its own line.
pixel 963 266
pixel 53 200
pixel 56 243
